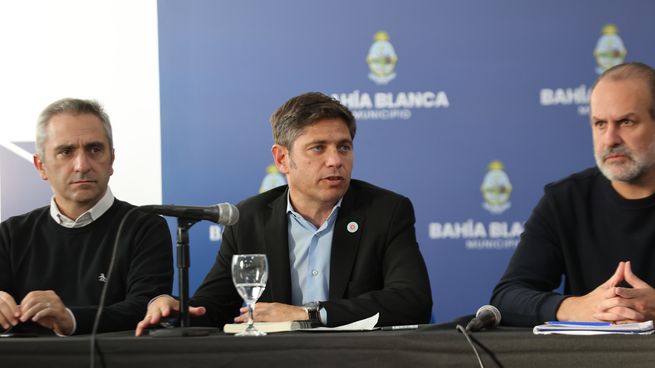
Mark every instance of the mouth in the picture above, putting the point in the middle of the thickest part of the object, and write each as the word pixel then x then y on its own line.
pixel 334 179
pixel 83 182
pixel 615 157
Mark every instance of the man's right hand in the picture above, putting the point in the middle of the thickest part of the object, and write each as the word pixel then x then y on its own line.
pixel 583 308
pixel 161 307
pixel 9 311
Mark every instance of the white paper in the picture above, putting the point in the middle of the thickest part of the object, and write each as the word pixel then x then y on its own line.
pixel 366 324
pixel 563 328
pixel 589 333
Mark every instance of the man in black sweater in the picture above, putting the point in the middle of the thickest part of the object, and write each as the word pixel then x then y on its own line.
pixel 595 227
pixel 54 260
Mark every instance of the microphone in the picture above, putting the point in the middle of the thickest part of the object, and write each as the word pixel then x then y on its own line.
pixel 222 213
pixel 487 316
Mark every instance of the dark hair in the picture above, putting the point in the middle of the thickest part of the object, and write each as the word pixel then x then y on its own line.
pixel 632 70
pixel 69 106
pixel 290 119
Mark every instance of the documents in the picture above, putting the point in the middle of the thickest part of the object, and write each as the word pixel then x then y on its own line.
pixel 593 328
pixel 366 324
pixel 269 327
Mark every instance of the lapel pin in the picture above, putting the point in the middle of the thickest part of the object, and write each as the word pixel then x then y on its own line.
pixel 352 227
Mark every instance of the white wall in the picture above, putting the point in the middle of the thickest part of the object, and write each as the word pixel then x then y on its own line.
pixel 105 50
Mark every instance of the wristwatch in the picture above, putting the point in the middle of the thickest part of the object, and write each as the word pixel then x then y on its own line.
pixel 312 309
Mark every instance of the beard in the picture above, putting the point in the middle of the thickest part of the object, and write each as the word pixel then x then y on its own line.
pixel 632 169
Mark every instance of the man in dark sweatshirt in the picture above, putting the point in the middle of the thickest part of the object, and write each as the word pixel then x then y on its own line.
pixel 596 227
pixel 54 260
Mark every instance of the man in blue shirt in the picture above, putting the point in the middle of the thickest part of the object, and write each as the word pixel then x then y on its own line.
pixel 339 250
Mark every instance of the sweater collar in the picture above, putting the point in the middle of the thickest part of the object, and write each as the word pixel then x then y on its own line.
pixel 87 217
pixel 646 202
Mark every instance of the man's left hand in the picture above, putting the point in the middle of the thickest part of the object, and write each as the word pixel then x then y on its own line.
pixel 273 312
pixel 636 304
pixel 47 309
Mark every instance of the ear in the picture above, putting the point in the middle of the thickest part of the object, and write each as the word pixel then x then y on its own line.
pixel 281 158
pixel 111 165
pixel 40 166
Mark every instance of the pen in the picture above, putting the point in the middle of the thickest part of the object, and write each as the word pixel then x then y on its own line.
pixel 396 328
pixel 579 323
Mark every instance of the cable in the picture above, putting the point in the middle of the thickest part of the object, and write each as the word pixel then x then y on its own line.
pixel 487 350
pixel 466 334
pixel 471 339
pixel 103 295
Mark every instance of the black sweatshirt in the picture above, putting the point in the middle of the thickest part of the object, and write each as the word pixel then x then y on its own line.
pixel 580 229
pixel 36 253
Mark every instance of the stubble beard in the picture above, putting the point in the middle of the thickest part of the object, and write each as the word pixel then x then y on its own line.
pixel 630 171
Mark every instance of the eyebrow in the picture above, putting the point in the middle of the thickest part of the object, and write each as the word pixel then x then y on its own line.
pixel 94 144
pixel 631 115
pixel 324 141
pixel 64 146
pixel 86 145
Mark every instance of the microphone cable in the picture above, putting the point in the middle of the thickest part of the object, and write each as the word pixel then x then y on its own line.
pixel 471 339
pixel 103 295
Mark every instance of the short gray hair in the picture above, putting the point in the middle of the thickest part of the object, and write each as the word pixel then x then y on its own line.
pixel 72 106
pixel 632 70
pixel 289 120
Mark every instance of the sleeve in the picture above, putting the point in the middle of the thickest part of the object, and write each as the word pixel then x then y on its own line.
pixel 216 292
pixel 145 271
pixel 5 259
pixel 405 296
pixel 524 295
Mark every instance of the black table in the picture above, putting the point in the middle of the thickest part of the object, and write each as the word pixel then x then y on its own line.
pixel 428 346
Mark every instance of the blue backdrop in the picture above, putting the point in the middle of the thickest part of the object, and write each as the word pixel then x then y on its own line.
pixel 467 107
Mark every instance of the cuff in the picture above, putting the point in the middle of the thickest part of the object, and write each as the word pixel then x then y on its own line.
pixel 157 297
pixel 74 324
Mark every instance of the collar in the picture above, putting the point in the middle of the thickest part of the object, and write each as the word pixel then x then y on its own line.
pixel 87 217
pixel 291 210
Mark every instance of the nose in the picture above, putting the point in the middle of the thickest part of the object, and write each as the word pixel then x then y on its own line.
pixel 334 158
pixel 611 137
pixel 82 162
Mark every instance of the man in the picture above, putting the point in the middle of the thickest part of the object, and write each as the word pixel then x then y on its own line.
pixel 595 227
pixel 338 250
pixel 54 260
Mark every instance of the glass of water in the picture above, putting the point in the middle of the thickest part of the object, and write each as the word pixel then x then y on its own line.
pixel 249 274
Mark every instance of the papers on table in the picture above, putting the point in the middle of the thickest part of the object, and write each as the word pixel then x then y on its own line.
pixel 593 328
pixel 366 324
pixel 269 327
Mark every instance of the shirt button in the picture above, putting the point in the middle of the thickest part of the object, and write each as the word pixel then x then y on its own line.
pixel 315 273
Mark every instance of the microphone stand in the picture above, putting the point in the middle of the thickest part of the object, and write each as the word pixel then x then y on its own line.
pixel 183 264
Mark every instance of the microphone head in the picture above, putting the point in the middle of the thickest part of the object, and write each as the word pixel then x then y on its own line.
pixel 228 214
pixel 491 310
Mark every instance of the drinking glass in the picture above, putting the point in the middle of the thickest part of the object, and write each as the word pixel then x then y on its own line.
pixel 249 274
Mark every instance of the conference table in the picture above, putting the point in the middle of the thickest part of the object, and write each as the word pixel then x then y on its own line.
pixel 427 346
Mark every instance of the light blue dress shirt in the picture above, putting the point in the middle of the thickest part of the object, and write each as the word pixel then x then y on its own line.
pixel 309 256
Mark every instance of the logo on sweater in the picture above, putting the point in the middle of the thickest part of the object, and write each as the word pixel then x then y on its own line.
pixel 102 277
pixel 496 189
